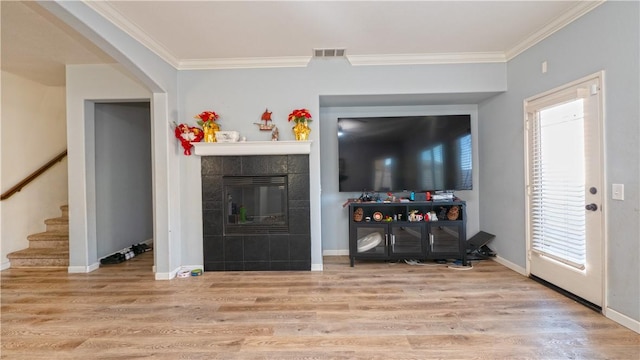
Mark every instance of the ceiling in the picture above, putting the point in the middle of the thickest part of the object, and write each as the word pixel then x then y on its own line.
pixel 232 34
pixel 37 46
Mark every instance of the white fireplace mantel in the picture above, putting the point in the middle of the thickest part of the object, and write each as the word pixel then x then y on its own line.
pixel 252 148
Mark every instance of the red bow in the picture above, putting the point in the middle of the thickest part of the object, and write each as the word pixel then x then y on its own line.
pixel 188 134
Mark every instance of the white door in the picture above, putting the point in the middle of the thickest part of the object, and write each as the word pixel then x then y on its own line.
pixel 565 191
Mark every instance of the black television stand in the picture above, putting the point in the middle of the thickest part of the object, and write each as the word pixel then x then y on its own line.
pixel 388 231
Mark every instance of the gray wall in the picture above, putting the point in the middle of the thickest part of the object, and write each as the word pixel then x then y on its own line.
pixel 240 97
pixel 123 175
pixel 606 39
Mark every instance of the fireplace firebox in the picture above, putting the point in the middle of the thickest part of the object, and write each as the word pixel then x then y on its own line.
pixel 255 205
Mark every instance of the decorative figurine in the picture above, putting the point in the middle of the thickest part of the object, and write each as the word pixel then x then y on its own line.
pixel 275 134
pixel 358 213
pixel 266 117
pixel 453 213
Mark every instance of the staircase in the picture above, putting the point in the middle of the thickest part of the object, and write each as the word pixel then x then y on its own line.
pixel 46 249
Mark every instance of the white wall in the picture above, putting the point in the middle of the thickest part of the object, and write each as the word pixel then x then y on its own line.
pixel 608 39
pixel 33 132
pixel 86 85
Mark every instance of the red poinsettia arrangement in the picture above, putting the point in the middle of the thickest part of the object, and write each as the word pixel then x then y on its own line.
pixel 300 116
pixel 188 134
pixel 206 117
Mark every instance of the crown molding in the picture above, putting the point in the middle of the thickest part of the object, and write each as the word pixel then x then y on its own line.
pixel 107 11
pixel 427 59
pixel 111 14
pixel 244 63
pixel 563 20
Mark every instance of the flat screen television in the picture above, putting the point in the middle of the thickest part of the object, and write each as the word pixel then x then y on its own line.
pixel 405 153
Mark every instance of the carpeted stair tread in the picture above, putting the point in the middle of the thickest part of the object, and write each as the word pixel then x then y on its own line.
pixel 40 253
pixel 36 263
pixel 49 235
pixel 46 249
pixel 57 221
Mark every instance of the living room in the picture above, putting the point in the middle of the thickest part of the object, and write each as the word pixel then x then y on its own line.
pixel 492 93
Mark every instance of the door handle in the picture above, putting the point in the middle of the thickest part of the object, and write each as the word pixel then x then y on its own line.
pixel 591 207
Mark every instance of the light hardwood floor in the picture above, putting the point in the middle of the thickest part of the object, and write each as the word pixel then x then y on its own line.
pixel 375 310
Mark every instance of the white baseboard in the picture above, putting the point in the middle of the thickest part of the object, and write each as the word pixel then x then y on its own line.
pixel 167 275
pixel 174 273
pixel 335 252
pixel 83 269
pixel 317 267
pixel 191 267
pixel 5 265
pixel 622 319
pixel 517 268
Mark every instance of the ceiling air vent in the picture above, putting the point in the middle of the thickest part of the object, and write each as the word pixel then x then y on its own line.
pixel 328 52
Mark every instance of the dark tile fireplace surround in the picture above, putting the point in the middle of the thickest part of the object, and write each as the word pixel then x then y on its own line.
pixel 280 249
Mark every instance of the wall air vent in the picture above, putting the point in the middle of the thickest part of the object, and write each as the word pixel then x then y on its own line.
pixel 328 53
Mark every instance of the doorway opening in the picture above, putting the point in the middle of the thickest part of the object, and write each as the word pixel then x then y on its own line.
pixel 123 177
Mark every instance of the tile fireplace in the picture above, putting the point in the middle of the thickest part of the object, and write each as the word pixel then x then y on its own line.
pixel 255 212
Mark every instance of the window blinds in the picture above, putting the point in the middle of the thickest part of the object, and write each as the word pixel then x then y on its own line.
pixel 558 182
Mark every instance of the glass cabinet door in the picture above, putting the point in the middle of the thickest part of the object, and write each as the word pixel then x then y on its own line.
pixel 371 240
pixel 406 239
pixel 444 238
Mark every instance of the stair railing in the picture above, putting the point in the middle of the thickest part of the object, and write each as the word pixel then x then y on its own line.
pixel 7 194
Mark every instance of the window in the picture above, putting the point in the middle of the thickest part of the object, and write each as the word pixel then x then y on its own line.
pixel 558 182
